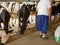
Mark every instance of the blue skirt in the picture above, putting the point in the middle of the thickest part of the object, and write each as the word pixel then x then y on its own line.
pixel 42 23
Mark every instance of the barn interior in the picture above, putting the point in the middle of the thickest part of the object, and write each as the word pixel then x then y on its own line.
pixel 30 36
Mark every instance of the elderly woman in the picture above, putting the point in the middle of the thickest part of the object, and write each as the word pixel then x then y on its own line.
pixel 43 14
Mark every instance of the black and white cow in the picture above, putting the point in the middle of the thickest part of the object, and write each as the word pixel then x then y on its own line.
pixel 58 10
pixel 4 19
pixel 23 14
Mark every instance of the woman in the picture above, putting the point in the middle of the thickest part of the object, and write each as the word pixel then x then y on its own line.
pixel 43 14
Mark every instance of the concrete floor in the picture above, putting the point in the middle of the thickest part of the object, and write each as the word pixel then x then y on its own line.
pixel 31 37
pixel 34 39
